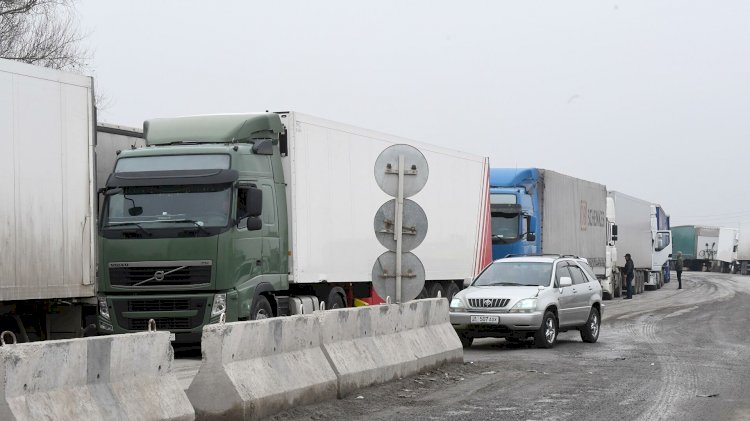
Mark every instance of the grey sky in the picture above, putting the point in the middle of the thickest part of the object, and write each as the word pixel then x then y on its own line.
pixel 651 98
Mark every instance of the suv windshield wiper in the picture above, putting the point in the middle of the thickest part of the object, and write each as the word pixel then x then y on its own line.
pixel 508 283
pixel 139 226
pixel 189 221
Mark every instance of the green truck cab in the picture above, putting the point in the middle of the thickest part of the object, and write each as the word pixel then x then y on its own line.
pixel 181 238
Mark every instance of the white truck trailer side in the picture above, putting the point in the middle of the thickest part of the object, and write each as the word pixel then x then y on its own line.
pixel 47 211
pixel 726 250
pixel 330 173
pixel 742 262
pixel 642 235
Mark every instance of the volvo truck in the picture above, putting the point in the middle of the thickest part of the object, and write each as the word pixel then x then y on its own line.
pixel 248 216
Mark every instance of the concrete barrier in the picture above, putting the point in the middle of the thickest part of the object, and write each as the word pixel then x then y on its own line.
pixel 376 344
pixel 118 377
pixel 253 369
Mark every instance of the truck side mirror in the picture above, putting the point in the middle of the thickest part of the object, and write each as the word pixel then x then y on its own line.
pixel 254 203
pixel 254 223
pixel 614 232
pixel 531 236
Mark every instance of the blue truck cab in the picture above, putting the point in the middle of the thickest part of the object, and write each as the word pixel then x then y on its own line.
pixel 514 197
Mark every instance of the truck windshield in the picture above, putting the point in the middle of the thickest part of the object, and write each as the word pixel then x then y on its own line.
pixel 516 274
pixel 196 206
pixel 504 226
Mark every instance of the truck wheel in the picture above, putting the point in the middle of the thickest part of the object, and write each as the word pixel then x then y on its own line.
pixel 547 334
pixel 434 289
pixel 618 288
pixel 334 300
pixel 590 331
pixel 465 340
pixel 451 291
pixel 261 309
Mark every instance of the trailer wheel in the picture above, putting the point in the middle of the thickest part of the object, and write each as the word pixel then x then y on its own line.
pixel 466 341
pixel 335 300
pixel 261 309
pixel 436 288
pixel 451 291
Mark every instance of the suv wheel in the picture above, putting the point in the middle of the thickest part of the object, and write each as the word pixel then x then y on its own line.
pixel 590 331
pixel 466 341
pixel 547 333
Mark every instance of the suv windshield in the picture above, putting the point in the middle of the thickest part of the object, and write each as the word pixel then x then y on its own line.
pixel 516 273
pixel 198 205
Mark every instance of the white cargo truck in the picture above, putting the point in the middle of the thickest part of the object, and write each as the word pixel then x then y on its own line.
pixel 643 232
pixel 742 261
pixel 726 250
pixel 47 206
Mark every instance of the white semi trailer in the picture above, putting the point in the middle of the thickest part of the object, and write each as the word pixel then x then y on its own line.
pixel 47 206
pixel 643 232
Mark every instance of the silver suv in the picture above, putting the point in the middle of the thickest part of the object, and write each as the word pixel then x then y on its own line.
pixel 518 298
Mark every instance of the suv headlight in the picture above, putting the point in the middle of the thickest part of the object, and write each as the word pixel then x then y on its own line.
pixel 527 305
pixel 103 308
pixel 457 305
pixel 219 306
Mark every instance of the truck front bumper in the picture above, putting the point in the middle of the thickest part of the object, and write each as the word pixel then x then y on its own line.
pixel 182 314
pixel 507 323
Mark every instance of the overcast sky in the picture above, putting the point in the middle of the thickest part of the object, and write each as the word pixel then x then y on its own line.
pixel 651 98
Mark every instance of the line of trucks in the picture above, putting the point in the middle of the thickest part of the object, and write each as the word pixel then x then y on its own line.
pixel 246 216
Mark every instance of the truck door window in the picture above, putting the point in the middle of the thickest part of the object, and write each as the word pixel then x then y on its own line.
pixel 662 240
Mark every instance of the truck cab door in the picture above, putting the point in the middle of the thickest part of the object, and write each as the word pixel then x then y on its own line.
pixel 662 249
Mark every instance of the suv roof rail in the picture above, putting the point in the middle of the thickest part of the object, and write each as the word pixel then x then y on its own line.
pixel 534 255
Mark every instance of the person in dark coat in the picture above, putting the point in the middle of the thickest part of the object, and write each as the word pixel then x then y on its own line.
pixel 678 268
pixel 629 274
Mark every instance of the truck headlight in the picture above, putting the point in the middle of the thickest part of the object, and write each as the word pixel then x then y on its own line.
pixel 457 305
pixel 103 308
pixel 219 306
pixel 526 305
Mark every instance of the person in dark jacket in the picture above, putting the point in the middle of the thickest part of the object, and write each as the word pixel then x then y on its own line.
pixel 629 274
pixel 678 268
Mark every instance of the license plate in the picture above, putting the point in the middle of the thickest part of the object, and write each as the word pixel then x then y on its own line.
pixel 171 337
pixel 492 320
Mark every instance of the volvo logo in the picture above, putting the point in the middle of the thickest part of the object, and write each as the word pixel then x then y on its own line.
pixel 488 303
pixel 159 275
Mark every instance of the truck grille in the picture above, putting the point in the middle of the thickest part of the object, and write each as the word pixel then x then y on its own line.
pixel 146 305
pixel 488 302
pixel 151 276
pixel 162 323
pixel 159 305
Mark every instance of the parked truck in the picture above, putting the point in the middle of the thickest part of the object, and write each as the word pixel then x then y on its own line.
pixel 538 211
pixel 726 250
pixel 47 211
pixel 742 261
pixel 698 244
pixel 249 216
pixel 644 233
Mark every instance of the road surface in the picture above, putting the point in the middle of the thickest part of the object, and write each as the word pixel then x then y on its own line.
pixel 665 355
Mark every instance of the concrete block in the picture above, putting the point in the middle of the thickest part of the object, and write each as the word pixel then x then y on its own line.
pixel 251 370
pixel 118 377
pixel 376 344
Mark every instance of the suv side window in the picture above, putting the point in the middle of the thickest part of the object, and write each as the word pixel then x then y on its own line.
pixel 586 268
pixel 578 276
pixel 562 270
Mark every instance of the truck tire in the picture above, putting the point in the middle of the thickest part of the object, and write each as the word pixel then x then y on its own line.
pixel 335 300
pixel 618 287
pixel 590 331
pixel 451 291
pixel 547 334
pixel 434 289
pixel 261 309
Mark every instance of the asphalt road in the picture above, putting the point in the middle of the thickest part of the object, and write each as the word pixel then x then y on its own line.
pixel 665 355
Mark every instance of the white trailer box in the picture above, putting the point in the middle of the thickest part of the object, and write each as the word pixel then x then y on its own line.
pixel 110 139
pixel 743 248
pixel 574 218
pixel 333 198
pixel 726 251
pixel 633 230
pixel 47 227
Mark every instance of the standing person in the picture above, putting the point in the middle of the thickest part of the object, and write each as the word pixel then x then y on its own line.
pixel 629 274
pixel 678 269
